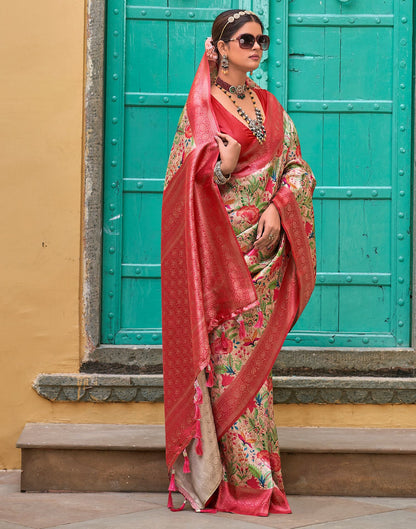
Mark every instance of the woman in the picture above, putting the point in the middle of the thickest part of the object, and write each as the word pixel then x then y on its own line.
pixel 238 267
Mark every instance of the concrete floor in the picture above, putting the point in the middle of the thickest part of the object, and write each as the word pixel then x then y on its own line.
pixel 124 510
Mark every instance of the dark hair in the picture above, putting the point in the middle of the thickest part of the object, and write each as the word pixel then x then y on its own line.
pixel 229 29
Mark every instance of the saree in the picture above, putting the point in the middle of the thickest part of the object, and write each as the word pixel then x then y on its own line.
pixel 226 306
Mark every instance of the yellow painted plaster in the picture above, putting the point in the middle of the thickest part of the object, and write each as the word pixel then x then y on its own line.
pixel 347 415
pixel 41 103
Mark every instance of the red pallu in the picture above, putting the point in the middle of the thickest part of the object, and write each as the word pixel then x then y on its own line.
pixel 205 279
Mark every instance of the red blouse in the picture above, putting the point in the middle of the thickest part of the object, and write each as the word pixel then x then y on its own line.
pixel 229 124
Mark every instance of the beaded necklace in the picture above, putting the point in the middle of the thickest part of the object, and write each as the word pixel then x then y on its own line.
pixel 255 125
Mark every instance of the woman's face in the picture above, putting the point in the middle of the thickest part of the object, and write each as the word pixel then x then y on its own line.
pixel 244 60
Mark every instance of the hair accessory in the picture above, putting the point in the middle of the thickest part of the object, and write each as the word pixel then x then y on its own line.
pixel 210 50
pixel 224 64
pixel 220 179
pixel 235 17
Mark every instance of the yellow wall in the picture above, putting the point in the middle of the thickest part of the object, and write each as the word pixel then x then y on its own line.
pixel 41 57
pixel 41 104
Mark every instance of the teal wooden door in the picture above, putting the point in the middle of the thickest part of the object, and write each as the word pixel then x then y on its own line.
pixel 345 78
pixel 343 70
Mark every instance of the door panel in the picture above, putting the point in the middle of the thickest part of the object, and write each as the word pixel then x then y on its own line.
pixel 339 81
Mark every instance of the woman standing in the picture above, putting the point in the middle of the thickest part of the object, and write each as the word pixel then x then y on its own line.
pixel 238 267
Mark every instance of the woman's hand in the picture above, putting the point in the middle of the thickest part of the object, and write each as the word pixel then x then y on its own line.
pixel 268 231
pixel 229 152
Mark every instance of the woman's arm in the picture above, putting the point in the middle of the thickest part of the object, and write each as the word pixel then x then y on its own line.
pixel 229 152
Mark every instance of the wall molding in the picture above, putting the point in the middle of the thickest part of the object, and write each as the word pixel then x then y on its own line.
pixel 287 390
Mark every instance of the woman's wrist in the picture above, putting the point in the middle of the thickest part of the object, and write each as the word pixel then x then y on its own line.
pixel 225 169
pixel 219 177
pixel 274 205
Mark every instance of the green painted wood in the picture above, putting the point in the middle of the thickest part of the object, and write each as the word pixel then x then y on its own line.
pixel 352 110
pixel 344 72
pixel 113 167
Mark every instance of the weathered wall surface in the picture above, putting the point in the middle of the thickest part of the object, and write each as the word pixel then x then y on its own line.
pixel 41 122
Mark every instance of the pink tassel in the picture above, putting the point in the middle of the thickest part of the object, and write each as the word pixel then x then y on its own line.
pixel 170 504
pixel 198 396
pixel 210 381
pixel 242 330
pixel 198 430
pixel 186 468
pixel 172 485
pixel 197 412
pixel 260 320
pixel 172 488
pixel 224 343
pixel 198 448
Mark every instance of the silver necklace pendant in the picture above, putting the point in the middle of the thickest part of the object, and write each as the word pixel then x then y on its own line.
pixel 255 125
pixel 239 90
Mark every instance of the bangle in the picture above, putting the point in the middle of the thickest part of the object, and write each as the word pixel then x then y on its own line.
pixel 219 177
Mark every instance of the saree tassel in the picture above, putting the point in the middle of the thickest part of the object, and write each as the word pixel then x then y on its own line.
pixel 197 412
pixel 172 488
pixel 260 320
pixel 198 395
pixel 224 343
pixel 242 330
pixel 213 511
pixel 198 447
pixel 198 430
pixel 186 468
pixel 172 484
pixel 210 381
pixel 170 504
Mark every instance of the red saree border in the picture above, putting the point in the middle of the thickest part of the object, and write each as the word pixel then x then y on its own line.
pixel 188 236
pixel 290 216
pixel 295 290
pixel 205 279
pixel 252 502
pixel 234 400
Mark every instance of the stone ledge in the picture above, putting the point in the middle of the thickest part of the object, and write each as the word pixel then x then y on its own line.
pixel 117 457
pixel 100 388
pixel 301 361
pixel 142 437
pixel 80 387
pixel 85 436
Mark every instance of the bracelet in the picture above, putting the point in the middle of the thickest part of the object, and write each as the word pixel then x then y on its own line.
pixel 219 177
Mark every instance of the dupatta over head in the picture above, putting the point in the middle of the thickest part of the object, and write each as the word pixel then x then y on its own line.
pixel 205 279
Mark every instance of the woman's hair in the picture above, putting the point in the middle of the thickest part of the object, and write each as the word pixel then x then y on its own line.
pixel 220 24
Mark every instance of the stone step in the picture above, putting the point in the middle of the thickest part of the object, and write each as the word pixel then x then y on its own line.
pixel 315 461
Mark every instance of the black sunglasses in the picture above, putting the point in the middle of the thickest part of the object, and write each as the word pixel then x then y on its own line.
pixel 246 41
